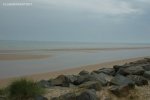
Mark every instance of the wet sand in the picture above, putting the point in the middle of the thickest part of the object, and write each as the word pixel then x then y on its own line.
pixel 41 76
pixel 21 56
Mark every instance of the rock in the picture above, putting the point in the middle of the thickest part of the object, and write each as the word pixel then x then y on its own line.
pixel 83 78
pixel 91 85
pixel 71 78
pixel 117 67
pixel 147 59
pixel 84 95
pixel 108 71
pixel 88 95
pixel 120 80
pixel 39 97
pixel 101 78
pixel 142 61
pixel 139 80
pixel 61 80
pixel 104 79
pixel 147 74
pixel 120 90
pixel 134 70
pixel 44 84
pixel 68 96
pixel 146 67
pixel 83 72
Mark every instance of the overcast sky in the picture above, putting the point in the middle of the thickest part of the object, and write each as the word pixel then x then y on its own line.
pixel 77 20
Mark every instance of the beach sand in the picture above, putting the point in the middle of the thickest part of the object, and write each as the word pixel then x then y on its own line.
pixel 48 75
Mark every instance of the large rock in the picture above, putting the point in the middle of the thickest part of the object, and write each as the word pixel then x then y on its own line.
pixel 120 90
pixel 83 72
pixel 139 80
pixel 146 67
pixel 91 85
pixel 83 78
pixel 84 95
pixel 39 97
pixel 71 78
pixel 120 80
pixel 68 96
pixel 88 95
pixel 101 78
pixel 104 79
pixel 133 70
pixel 147 74
pixel 117 67
pixel 108 71
pixel 44 84
pixel 61 80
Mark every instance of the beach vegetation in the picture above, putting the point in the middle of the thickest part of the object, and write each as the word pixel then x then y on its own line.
pixel 24 89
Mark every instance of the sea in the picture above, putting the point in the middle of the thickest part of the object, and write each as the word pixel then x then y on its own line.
pixel 64 55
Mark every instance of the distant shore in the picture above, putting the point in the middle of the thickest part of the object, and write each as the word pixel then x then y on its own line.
pixel 48 75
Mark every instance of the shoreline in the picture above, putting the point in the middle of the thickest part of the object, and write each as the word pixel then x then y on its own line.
pixel 48 75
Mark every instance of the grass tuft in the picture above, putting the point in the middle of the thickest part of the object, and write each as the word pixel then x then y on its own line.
pixel 23 89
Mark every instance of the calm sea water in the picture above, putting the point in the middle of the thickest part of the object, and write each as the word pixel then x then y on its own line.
pixel 61 59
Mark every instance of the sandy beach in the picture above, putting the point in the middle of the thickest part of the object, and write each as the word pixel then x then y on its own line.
pixel 41 76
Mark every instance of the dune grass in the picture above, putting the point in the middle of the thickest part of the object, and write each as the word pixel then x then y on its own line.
pixel 23 89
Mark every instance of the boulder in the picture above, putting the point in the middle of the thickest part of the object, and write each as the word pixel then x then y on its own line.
pixel 84 95
pixel 133 70
pixel 147 59
pixel 139 80
pixel 83 78
pixel 147 74
pixel 83 72
pixel 91 85
pixel 44 84
pixel 68 96
pixel 104 79
pixel 117 67
pixel 39 97
pixel 88 95
pixel 61 80
pixel 71 78
pixel 146 67
pixel 120 80
pixel 120 91
pixel 108 71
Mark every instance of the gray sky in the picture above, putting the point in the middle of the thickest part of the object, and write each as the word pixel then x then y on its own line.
pixel 77 20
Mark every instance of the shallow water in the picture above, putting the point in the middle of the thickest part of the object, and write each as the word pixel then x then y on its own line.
pixel 63 60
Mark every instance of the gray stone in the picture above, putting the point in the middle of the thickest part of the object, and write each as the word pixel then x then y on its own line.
pixel 44 84
pixel 120 91
pixel 91 85
pixel 39 97
pixel 71 78
pixel 117 67
pixel 146 67
pixel 120 80
pixel 147 74
pixel 68 96
pixel 139 80
pixel 108 71
pixel 83 72
pixel 61 80
pixel 88 95
pixel 133 70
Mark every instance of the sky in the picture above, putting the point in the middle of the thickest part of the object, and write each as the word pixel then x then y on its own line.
pixel 123 21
